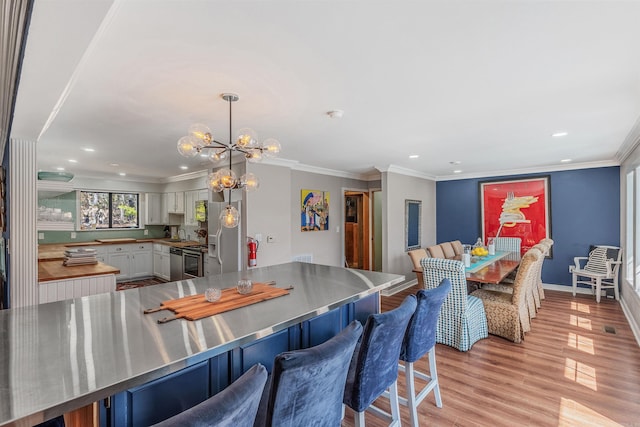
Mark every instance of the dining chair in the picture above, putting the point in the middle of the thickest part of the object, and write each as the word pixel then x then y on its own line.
pixel 507 313
pixel 54 422
pixel 435 251
pixel 416 255
pixel 549 244
pixel 307 386
pixel 447 249
pixel 462 319
pixel 374 366
pixel 508 244
pixel 457 247
pixel 599 272
pixel 420 339
pixel 235 406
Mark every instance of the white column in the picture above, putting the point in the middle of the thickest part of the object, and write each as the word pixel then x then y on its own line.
pixel 23 238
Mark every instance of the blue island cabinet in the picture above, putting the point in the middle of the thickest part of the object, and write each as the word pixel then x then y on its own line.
pixel 164 397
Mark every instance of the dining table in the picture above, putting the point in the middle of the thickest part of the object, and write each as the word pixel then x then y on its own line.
pixel 490 269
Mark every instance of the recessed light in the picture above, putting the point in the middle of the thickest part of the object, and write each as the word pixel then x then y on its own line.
pixel 60 169
pixel 114 164
pixel 335 114
pixel 122 174
pixel 73 161
pixel 559 134
pixel 184 168
pixel 89 150
pixel 455 162
pixel 565 160
pixel 457 171
pixel 414 156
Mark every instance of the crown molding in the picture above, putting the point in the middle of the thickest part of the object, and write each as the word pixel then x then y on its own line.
pixel 296 165
pixel 405 171
pixel 630 142
pixel 184 176
pixel 528 171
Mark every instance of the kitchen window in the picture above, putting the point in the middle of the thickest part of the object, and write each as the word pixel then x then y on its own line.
pixel 108 211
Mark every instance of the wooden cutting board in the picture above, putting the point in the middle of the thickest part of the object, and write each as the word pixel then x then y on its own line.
pixel 196 307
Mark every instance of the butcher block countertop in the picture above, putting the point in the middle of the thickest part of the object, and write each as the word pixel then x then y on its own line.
pixel 55 251
pixel 54 270
pixel 50 257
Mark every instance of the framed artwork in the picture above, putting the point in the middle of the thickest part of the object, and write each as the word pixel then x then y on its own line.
pixel 516 208
pixel 412 224
pixel 314 210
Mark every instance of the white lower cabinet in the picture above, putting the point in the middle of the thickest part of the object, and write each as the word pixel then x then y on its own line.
pixel 161 261
pixel 133 260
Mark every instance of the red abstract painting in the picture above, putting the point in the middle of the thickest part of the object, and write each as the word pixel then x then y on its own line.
pixel 516 208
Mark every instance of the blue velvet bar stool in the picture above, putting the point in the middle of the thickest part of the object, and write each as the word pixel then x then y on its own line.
pixel 374 366
pixel 235 406
pixel 420 339
pixel 306 386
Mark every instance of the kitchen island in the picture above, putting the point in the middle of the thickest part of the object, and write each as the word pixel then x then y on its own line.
pixel 61 356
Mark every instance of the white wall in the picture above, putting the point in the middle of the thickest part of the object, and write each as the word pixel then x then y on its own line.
pixel 630 298
pixel 267 213
pixel 396 189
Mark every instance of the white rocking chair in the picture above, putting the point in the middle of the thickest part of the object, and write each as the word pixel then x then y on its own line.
pixel 599 272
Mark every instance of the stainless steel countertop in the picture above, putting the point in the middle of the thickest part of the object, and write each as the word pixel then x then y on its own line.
pixel 60 356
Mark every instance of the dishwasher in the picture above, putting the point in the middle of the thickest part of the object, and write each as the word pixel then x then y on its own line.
pixel 175 264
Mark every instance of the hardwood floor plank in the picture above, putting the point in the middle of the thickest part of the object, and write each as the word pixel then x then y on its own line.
pixel 567 372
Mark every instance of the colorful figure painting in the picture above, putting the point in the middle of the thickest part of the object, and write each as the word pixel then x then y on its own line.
pixel 314 213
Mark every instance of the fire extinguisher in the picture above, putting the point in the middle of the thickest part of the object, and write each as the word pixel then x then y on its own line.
pixel 252 246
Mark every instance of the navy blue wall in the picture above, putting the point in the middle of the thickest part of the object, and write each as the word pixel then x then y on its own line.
pixel 585 210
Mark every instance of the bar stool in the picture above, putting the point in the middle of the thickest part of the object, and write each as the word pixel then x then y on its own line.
pixel 235 406
pixel 374 367
pixel 419 339
pixel 306 386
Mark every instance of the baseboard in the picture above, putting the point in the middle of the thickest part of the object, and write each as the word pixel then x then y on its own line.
pixel 391 290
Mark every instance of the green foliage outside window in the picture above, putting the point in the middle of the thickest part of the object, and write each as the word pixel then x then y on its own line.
pixel 101 211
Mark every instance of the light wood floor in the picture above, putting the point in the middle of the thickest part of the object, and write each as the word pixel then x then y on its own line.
pixel 567 372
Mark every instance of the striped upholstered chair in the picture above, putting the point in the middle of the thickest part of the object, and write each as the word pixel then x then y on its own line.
pixel 507 313
pixel 462 319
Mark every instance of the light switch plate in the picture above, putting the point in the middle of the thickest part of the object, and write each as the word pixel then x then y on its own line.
pixel 146 232
pixel 40 236
pixel 73 234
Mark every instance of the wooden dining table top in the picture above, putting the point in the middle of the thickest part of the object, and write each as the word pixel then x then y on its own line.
pixel 494 272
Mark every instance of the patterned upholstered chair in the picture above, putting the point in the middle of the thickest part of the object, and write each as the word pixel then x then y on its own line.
pixel 549 244
pixel 447 249
pixel 457 247
pixel 507 313
pixel 462 319
pixel 416 255
pixel 600 271
pixel 436 252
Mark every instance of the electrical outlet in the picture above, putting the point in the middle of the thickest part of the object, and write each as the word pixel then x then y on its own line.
pixel 40 236
pixel 146 232
pixel 271 239
pixel 73 234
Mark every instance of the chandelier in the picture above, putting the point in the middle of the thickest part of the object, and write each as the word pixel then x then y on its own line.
pixel 246 144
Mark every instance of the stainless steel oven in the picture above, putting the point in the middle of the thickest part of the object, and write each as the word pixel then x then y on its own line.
pixel 192 262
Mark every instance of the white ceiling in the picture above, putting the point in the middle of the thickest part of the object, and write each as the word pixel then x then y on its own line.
pixel 484 83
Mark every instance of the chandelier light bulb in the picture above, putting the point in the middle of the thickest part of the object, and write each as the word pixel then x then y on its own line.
pixel 187 146
pixel 215 156
pixel 202 132
pixel 247 138
pixel 229 217
pixel 249 182
pixel 227 177
pixel 271 147
pixel 254 156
